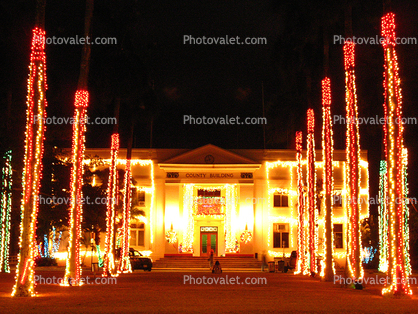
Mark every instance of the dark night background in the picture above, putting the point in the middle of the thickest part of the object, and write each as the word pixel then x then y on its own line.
pixel 160 79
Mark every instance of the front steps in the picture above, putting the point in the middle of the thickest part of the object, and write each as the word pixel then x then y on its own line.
pixel 178 262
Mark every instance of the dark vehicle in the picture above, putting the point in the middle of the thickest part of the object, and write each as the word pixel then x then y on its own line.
pixel 139 261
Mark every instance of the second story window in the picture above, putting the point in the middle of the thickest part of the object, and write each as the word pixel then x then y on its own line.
pixel 337 200
pixel 281 200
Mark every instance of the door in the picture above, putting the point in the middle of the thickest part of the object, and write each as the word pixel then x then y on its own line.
pixel 208 241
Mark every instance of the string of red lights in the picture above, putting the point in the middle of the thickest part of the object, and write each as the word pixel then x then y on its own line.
pixel 352 165
pixel 32 171
pixel 73 266
pixel 328 178
pixel 112 193
pixel 311 200
pixel 396 161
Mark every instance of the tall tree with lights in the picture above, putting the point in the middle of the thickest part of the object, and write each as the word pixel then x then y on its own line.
pixel 352 166
pixel 5 211
pixel 397 211
pixel 125 265
pixel 34 147
pixel 73 268
pixel 311 197
pixel 328 177
pixel 301 266
pixel 383 218
pixel 112 196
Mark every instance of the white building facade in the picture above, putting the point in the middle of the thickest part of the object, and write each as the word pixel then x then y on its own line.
pixel 234 202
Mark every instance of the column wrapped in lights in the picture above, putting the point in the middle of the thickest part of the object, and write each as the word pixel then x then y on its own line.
pixel 32 171
pixel 311 199
pixel 396 207
pixel 112 194
pixel 406 212
pixel 73 266
pixel 328 178
pixel 301 265
pixel 124 264
pixel 383 219
pixel 5 210
pixel 353 166
pixel 188 232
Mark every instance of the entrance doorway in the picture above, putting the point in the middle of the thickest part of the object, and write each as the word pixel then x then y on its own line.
pixel 208 240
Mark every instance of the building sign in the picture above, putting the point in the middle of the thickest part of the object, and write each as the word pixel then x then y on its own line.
pixel 205 175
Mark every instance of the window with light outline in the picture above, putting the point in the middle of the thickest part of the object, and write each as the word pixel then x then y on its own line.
pixel 137 234
pixel 281 200
pixel 280 235
pixel 338 236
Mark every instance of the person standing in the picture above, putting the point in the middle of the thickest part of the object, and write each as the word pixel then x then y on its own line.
pixel 263 260
pixel 210 259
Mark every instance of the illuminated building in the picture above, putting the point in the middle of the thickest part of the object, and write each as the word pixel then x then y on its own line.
pixel 236 202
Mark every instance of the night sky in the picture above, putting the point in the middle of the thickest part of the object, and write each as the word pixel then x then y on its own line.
pixel 158 78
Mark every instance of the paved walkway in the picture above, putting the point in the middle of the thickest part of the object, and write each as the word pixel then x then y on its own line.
pixel 176 292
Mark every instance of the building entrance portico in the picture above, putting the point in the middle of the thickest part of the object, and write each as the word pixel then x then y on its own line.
pixel 208 240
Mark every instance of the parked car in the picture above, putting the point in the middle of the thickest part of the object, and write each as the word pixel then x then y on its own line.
pixel 139 261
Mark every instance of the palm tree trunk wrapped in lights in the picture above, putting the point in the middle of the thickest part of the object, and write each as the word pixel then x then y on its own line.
pixel 5 211
pixel 301 266
pixel 328 179
pixel 112 194
pixel 311 199
pixel 32 172
pixel 398 232
pixel 353 166
pixel 73 266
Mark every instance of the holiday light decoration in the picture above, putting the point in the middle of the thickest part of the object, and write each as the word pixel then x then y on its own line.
pixel 99 256
pixel 352 166
pixel 124 264
pixel 278 254
pixel 112 194
pixel 47 250
pixel 32 171
pixel 171 235
pixel 73 266
pixel 5 211
pixel 301 261
pixel 311 197
pixel 230 227
pixel 246 235
pixel 188 233
pixel 46 246
pixel 190 208
pixel 290 192
pixel 396 208
pixel 383 219
pixel 328 270
pixel 208 206
pixel 406 212
pixel 367 254
pixel 55 242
